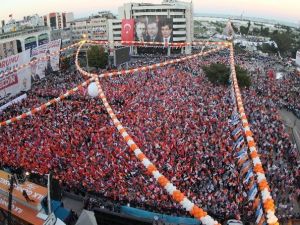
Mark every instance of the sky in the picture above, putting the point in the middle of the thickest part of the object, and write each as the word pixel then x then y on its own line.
pixel 285 10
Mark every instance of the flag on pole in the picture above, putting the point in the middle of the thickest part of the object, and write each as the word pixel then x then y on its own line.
pixel 242 152
pixel 236 133
pixel 258 213
pixel 245 168
pixel 242 160
pixel 239 143
pixel 248 176
pixel 252 193
pixel 256 202
pixel 127 32
pixel 234 119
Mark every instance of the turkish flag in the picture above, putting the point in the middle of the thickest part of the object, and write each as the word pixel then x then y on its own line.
pixel 127 30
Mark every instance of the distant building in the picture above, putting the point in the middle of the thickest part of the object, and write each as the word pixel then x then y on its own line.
pixel 27 22
pixel 181 14
pixel 298 58
pixel 64 34
pixel 14 42
pixel 94 27
pixel 58 20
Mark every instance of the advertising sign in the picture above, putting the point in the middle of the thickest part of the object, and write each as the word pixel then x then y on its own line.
pixel 15 82
pixel 43 68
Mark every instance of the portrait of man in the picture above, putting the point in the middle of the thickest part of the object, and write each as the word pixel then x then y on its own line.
pixel 48 69
pixel 33 68
pixel 140 30
pixel 152 31
pixel 166 29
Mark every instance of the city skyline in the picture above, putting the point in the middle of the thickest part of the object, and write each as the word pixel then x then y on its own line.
pixel 284 10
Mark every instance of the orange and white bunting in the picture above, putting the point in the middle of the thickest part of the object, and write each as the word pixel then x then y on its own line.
pixel 44 58
pixel 45 105
pixel 176 194
pixel 264 188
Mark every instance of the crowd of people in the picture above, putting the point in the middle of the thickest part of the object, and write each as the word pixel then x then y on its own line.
pixel 180 121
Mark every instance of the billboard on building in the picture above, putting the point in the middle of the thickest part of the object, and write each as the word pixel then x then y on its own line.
pixel 154 29
pixel 13 83
pixel 43 68
pixel 298 58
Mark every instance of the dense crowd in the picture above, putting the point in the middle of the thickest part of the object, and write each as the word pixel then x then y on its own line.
pixel 179 120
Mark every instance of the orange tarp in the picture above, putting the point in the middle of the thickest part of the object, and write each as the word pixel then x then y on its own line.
pixel 35 192
pixel 20 211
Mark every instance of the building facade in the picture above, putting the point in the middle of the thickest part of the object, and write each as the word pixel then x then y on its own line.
pixel 180 12
pixel 22 40
pixel 298 58
pixel 57 20
pixel 27 22
pixel 94 27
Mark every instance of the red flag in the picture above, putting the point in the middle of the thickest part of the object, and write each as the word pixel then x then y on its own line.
pixel 127 30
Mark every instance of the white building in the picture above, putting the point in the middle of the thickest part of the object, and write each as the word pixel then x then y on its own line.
pixel 298 59
pixel 57 20
pixel 94 27
pixel 27 22
pixel 180 12
pixel 22 40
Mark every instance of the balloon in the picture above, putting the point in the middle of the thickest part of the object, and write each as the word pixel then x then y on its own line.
pixel 93 90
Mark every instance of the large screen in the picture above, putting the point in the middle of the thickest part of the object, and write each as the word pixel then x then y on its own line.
pixel 122 55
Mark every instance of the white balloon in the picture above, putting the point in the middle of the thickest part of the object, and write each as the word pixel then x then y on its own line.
pixel 93 90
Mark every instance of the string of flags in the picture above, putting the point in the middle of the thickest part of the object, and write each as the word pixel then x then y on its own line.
pixel 251 166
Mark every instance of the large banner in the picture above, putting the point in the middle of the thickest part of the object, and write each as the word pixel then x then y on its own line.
pixel 43 68
pixel 154 29
pixel 127 33
pixel 15 82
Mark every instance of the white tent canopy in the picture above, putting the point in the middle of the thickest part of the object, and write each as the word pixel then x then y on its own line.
pixel 86 218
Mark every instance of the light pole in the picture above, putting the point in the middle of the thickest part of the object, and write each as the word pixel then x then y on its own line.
pixel 85 37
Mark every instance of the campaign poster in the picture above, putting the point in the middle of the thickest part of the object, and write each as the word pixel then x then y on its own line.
pixel 15 82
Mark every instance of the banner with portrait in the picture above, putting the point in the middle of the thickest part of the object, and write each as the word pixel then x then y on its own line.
pixel 15 82
pixel 154 29
pixel 45 67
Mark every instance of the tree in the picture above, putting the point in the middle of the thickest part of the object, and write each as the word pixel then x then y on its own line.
pixel 284 42
pixel 268 48
pixel 243 30
pixel 97 57
pixel 242 77
pixel 219 73
pixel 235 29
pixel 65 63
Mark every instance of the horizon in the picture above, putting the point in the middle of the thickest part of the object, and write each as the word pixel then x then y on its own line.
pixel 285 11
